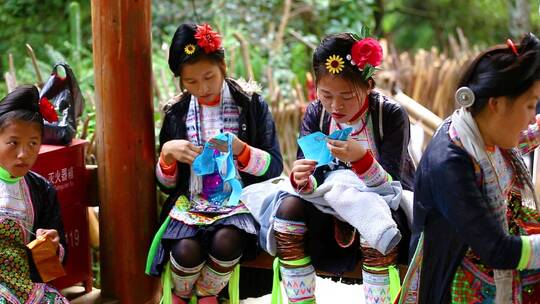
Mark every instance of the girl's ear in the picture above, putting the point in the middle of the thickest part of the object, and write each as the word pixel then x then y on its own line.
pixel 223 68
pixel 182 88
pixel 495 104
pixel 371 85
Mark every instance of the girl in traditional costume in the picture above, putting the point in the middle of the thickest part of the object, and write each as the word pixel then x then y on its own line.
pixel 475 210
pixel 314 224
pixel 206 230
pixel 28 204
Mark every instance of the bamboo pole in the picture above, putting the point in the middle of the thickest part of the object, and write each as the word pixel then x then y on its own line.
pixel 301 38
pixel 10 82
pixel 12 71
pixel 278 41
pixel 244 47
pixel 418 112
pixel 34 64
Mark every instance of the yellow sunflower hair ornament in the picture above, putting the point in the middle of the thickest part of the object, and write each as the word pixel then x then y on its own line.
pixel 189 49
pixel 335 64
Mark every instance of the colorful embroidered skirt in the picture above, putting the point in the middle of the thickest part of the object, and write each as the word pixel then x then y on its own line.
pixel 185 224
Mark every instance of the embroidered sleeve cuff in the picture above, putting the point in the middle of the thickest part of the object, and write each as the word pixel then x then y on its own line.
pixel 168 181
pixel 370 171
pixel 169 170
pixel 258 163
pixel 530 252
pixel 362 165
pixel 243 157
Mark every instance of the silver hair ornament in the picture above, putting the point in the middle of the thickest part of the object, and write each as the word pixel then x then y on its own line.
pixel 465 97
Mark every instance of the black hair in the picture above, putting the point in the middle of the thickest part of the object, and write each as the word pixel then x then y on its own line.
pixel 341 45
pixel 184 36
pixel 500 72
pixel 21 104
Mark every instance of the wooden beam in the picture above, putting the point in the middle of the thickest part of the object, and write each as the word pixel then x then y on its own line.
pixel 125 146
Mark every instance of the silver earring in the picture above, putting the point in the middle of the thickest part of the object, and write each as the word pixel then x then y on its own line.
pixel 465 97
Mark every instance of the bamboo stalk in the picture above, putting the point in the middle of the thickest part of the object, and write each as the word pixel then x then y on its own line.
pixel 10 76
pixel 419 112
pixel 12 71
pixel 300 38
pixel 464 43
pixel 10 83
pixel 232 60
pixel 155 86
pixel 84 131
pixel 34 63
pixel 244 47
pixel 278 41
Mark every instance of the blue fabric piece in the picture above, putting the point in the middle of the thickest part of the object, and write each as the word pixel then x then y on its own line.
pixel 208 161
pixel 204 164
pixel 314 145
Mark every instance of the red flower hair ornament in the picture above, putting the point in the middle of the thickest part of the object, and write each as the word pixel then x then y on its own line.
pixel 47 110
pixel 367 51
pixel 366 55
pixel 208 39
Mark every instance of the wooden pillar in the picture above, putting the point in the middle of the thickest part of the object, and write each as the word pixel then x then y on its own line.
pixel 125 145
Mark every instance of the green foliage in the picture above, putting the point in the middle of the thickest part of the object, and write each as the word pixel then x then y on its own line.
pixel 57 32
pixel 37 23
pixel 415 24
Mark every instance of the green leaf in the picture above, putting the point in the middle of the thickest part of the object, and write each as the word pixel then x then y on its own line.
pixel 365 32
pixel 355 36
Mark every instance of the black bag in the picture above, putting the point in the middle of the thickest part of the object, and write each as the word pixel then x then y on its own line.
pixel 64 94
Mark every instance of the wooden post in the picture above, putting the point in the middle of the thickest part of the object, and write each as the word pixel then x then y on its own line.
pixel 125 146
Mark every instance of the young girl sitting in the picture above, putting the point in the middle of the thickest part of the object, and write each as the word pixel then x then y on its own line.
pixel 308 227
pixel 28 204
pixel 205 235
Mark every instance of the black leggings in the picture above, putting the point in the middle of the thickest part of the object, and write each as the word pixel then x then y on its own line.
pixel 227 243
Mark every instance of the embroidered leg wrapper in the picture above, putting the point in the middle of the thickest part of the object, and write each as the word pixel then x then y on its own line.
pixel 380 275
pixel 184 278
pixel 297 273
pixel 214 276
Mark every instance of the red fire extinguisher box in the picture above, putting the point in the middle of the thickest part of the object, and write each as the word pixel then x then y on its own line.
pixel 64 167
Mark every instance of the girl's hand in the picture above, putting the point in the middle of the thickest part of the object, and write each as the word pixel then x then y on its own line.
pixel 237 145
pixel 179 150
pixel 347 151
pixel 51 234
pixel 301 171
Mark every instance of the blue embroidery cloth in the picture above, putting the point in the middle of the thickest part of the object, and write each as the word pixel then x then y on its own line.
pixel 314 145
pixel 208 161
